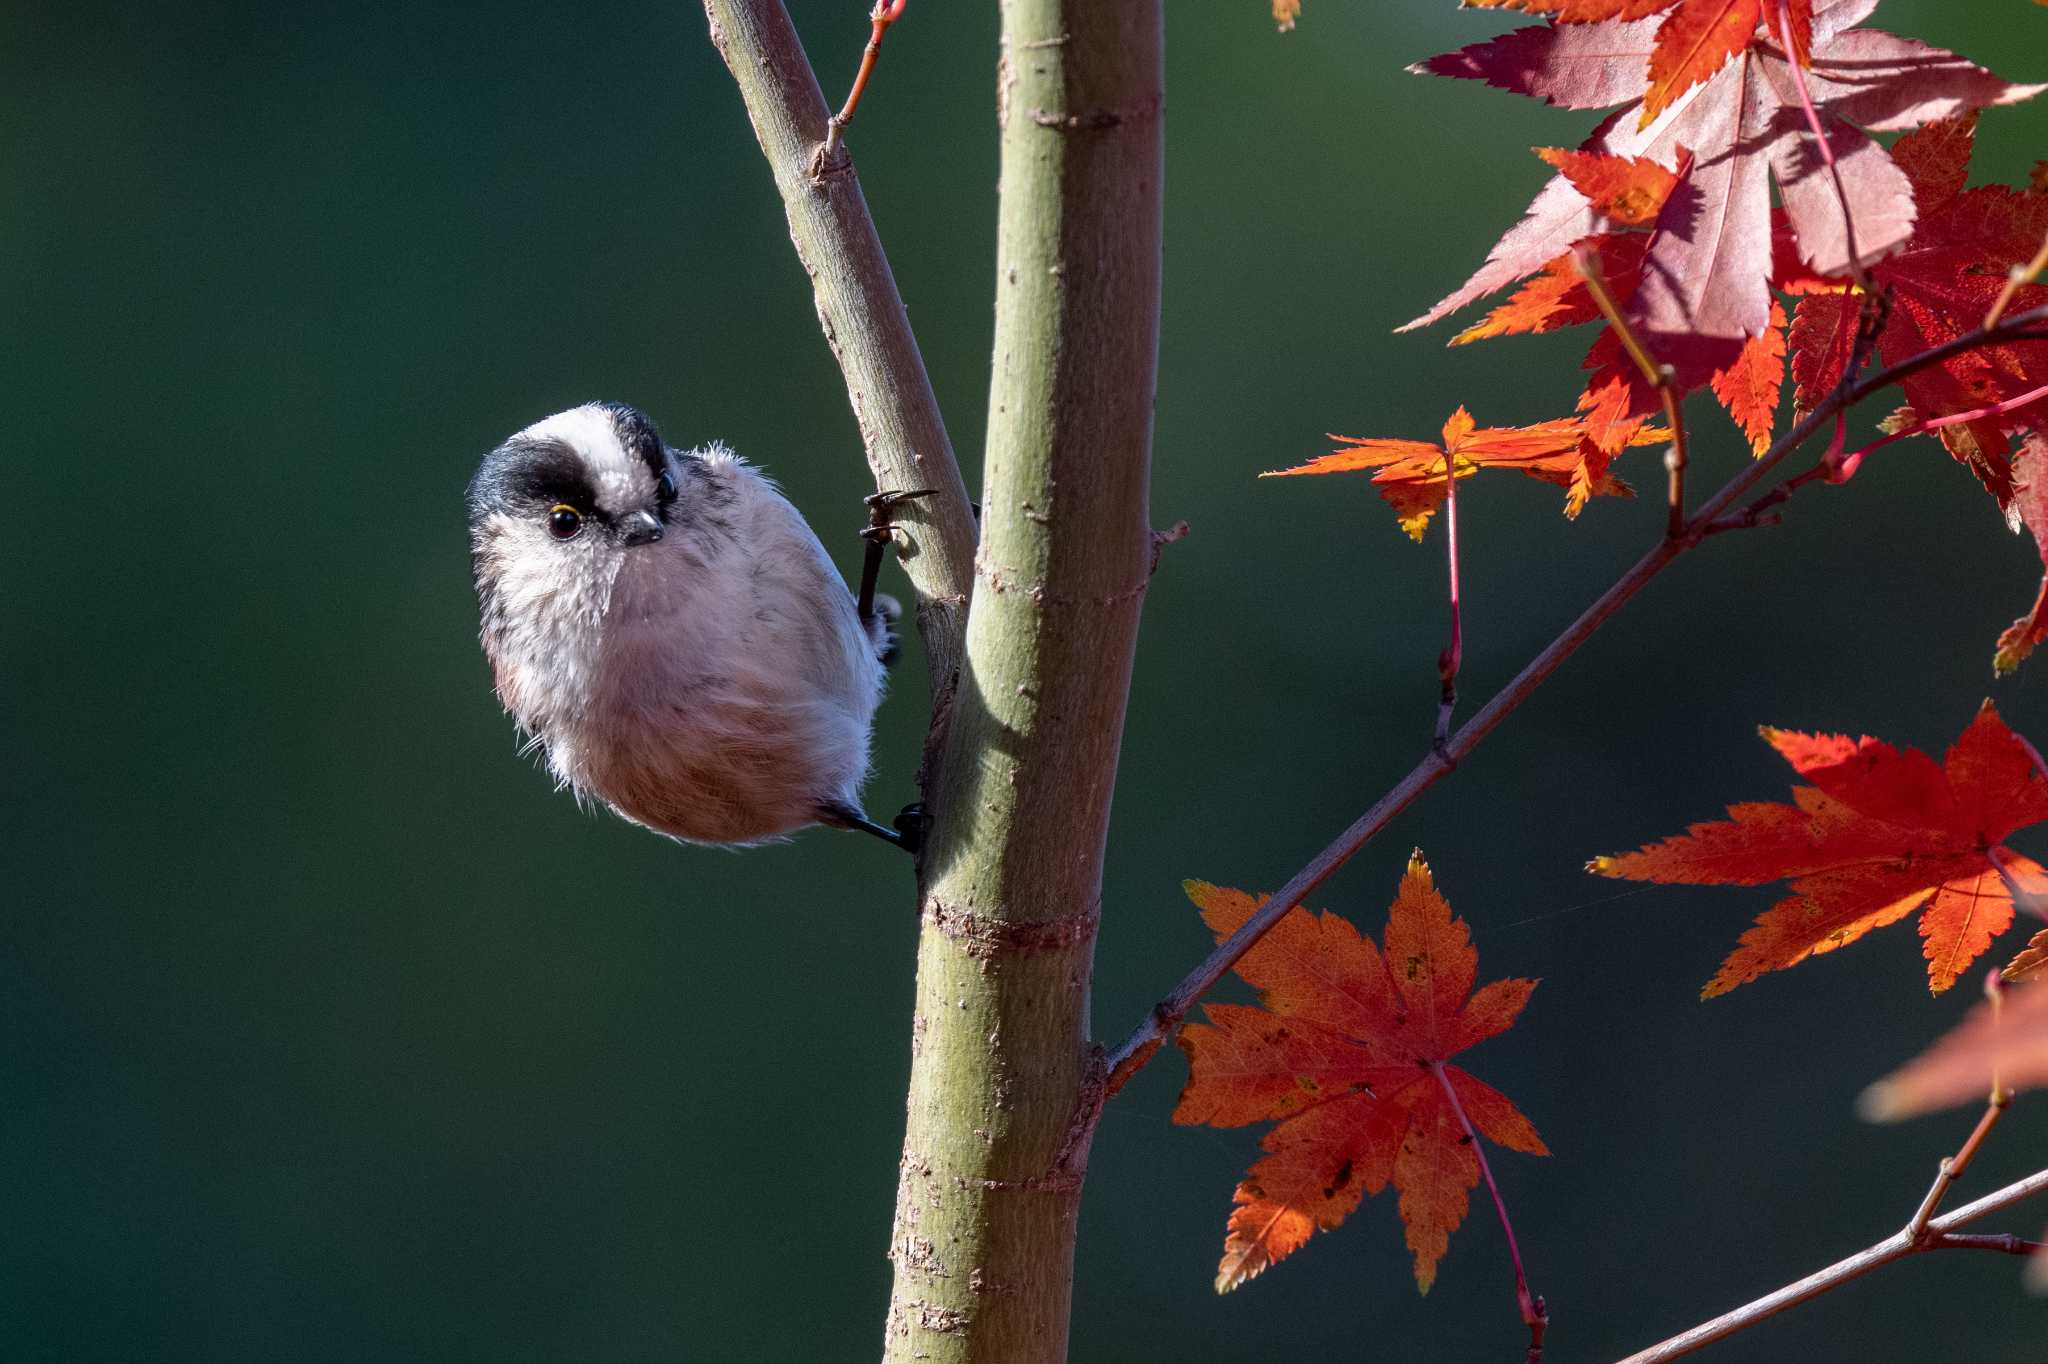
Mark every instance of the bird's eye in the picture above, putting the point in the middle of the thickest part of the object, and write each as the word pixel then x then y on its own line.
pixel 665 490
pixel 564 521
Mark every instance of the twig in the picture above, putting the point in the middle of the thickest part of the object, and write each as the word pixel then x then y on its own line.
pixel 885 13
pixel 1663 377
pixel 1447 662
pixel 1145 1040
pixel 863 319
pixel 1827 153
pixel 2019 278
pixel 1952 1167
pixel 1894 1247
pixel 1849 461
pixel 1535 1312
pixel 2004 1242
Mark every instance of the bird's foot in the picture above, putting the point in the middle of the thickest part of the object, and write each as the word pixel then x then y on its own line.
pixel 878 532
pixel 908 833
pixel 912 823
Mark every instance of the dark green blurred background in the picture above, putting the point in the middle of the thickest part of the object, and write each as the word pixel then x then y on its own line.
pixel 330 1033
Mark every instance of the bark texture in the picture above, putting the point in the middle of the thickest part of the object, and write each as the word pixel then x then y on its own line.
pixel 1004 1083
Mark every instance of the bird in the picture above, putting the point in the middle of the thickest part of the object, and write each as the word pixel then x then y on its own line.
pixel 667 629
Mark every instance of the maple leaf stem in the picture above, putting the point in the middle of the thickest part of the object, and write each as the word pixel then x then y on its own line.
pixel 1144 1041
pixel 1895 1247
pixel 1820 138
pixel 2019 279
pixel 1535 1312
pixel 1453 656
pixel 885 13
pixel 1663 377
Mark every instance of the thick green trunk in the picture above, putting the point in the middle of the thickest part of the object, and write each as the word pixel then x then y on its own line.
pixel 1003 1080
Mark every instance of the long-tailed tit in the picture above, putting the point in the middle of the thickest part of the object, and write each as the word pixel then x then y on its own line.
pixel 668 630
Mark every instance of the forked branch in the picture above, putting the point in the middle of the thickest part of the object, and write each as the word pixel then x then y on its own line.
pixel 862 315
pixel 1937 1234
pixel 885 13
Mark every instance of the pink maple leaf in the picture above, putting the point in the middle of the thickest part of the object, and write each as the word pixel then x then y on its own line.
pixel 1706 278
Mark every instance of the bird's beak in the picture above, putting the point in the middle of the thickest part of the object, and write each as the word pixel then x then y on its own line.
pixel 641 528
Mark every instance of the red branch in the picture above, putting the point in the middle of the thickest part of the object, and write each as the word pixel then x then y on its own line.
pixel 1849 461
pixel 885 13
pixel 1145 1040
pixel 1535 1313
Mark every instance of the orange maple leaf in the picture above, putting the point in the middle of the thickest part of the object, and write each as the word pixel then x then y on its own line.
pixel 1556 296
pixel 1349 1054
pixel 1411 472
pixel 1629 190
pixel 1879 834
pixel 2002 1043
pixel 1696 41
pixel 1285 12
pixel 1749 388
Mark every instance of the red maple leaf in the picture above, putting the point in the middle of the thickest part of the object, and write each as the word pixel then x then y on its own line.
pixel 1941 285
pixel 1411 472
pixel 1705 283
pixel 1349 1054
pixel 1879 834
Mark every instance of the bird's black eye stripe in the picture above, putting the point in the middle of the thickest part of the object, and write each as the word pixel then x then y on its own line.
pixel 665 488
pixel 638 436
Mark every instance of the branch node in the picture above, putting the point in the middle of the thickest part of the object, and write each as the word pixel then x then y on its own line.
pixel 1172 535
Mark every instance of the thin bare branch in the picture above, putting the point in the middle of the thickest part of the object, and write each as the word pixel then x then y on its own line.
pixel 863 319
pixel 2004 1242
pixel 1952 1167
pixel 1895 1247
